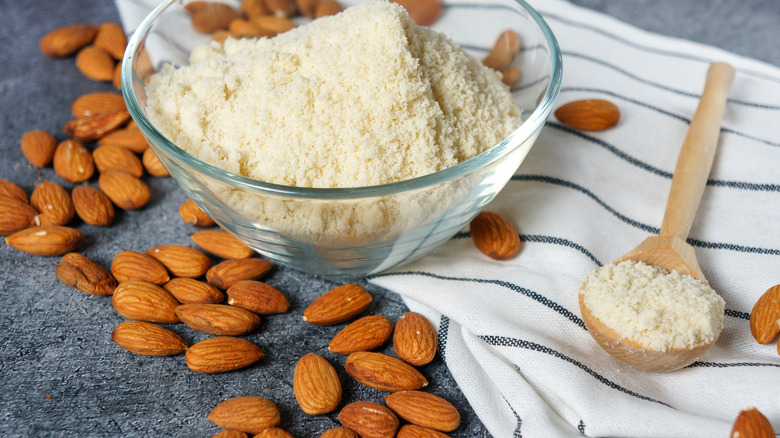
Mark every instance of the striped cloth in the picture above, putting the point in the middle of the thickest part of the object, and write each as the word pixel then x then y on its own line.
pixel 511 332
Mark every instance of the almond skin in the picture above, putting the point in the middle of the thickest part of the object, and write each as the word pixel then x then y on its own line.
pixel 67 40
pixel 129 137
pixel 112 39
pixel 751 423
pixel 273 23
pixel 94 127
pixel 222 244
pixel 253 8
pixel 383 372
pixel 144 301
pixel 230 434
pixel 38 147
pixel 73 162
pixel 225 274
pixel 589 115
pixel 189 290
pixel 369 419
pixel 213 17
pixel 340 432
pixel 95 63
pixel 338 305
pixel 222 354
pixel 423 12
pixel 495 236
pixel 148 339
pixel 180 260
pixel 765 316
pixel 414 431
pixel 132 265
pixel 365 334
pixel 53 202
pixel 273 432
pixel 506 47
pixel 15 215
pixel 218 319
pixel 153 165
pixel 316 385
pixel 415 339
pixel 80 272
pixel 193 215
pixel 248 414
pixel 93 206
pixel 281 8
pixel 510 76
pixel 307 8
pixel 92 104
pixel 11 190
pixel 325 8
pixel 125 191
pixel 110 157
pixel 424 409
pixel 257 297
pixel 46 240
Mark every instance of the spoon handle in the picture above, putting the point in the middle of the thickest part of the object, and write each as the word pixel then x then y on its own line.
pixel 697 153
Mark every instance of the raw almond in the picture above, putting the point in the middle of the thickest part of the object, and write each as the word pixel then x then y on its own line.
pixel 257 297
pixel 92 104
pixel 180 260
pixel 241 28
pixel 38 147
pixel 751 423
pixel 213 17
pixel 193 215
pixel 197 6
pixel 248 414
pixel 280 8
pixel 53 202
pixel 111 38
pixel 510 76
pixel 189 290
pixel 218 319
pixel 424 409
pixel 116 78
pixel 494 236
pixel 340 432
pixel 589 114
pixel 325 8
pixel 253 8
pixel 222 244
pixel 307 8
pixel 91 128
pixel 95 63
pixel 67 40
pixel 73 162
pixel 222 354
pixel 230 434
pixel 15 215
pixel 383 372
pixel 225 274
pixel 11 190
pixel 369 419
pixel 338 305
pixel 273 23
pixel 148 339
pixel 506 47
pixel 110 157
pixel 423 12
pixel 80 272
pixel 273 432
pixel 415 339
pixel 46 240
pixel 144 301
pixel 93 206
pixel 316 385
pixel 365 334
pixel 125 191
pixel 413 431
pixel 153 165
pixel 129 137
pixel 133 265
pixel 765 316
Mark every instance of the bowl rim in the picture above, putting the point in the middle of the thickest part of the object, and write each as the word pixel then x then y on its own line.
pixel 526 129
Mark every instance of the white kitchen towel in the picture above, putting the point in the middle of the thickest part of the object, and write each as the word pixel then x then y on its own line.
pixel 511 332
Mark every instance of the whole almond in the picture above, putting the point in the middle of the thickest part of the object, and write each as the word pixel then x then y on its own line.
pixel 506 47
pixel 316 385
pixel 92 104
pixel 751 423
pixel 53 202
pixel 95 63
pixel 80 272
pixel 213 17
pixel 92 128
pixel 193 215
pixel 510 76
pixel 180 260
pixel 230 434
pixel 365 334
pixel 11 190
pixel 257 297
pixel 144 301
pixel 280 8
pixel 148 339
pixel 423 12
pixel 424 409
pixel 248 414
pixel 111 38
pixel 273 432
pixel 383 372
pixel 73 162
pixel 189 290
pixel 415 339
pixel 197 6
pixel 218 319
pixel 125 191
pixel 46 240
pixel 369 419
pixel 589 114
pixel 222 244
pixel 307 8
pixel 253 8
pixel 116 78
pixel 494 236
pixel 110 157
pixel 242 28
pixel 414 431
pixel 153 165
pixel 340 432
pixel 133 265
pixel 129 137
pixel 338 305
pixel 273 23
pixel 222 354
pixel 38 147
pixel 15 215
pixel 67 40
pixel 325 8
pixel 225 274
pixel 765 316
pixel 93 206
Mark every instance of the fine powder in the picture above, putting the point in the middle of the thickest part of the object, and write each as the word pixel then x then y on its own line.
pixel 361 98
pixel 652 306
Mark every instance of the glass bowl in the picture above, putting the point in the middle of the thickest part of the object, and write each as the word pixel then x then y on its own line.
pixel 354 232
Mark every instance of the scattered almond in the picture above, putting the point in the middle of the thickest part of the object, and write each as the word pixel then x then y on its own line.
pixel 273 432
pixel 125 191
pixel 73 162
pixel 280 8
pixel 383 372
pixel 153 165
pixel 213 17
pixel 193 215
pixel 248 414
pixel 751 423
pixel 197 6
pixel 257 297
pixel 495 236
pixel 589 114
pixel 510 76
pixel 38 147
pixel 53 202
pixel 129 137
pixel 340 432
pixel 112 39
pixel 222 354
pixel 307 8
pixel 325 8
pixel 338 305
pixel 46 240
pixel 273 23
pixel 180 260
pixel 11 190
pixel 144 301
pixel 91 128
pixel 222 244
pixel 242 28
pixel 424 409
pixel 218 319
pixel 423 12
pixel 365 334
pixel 189 290
pixel 225 274
pixel 116 78
pixel 67 40
pixel 369 419
pixel 316 385
pixel 505 49
pixel 15 215
pixel 253 8
pixel 133 265
pixel 414 431
pixel 110 157
pixel 415 339
pixel 230 434
pixel 92 104
pixel 93 206
pixel 80 272
pixel 148 339
pixel 765 316
pixel 95 63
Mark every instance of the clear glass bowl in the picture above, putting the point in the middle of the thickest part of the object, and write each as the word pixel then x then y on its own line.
pixel 353 232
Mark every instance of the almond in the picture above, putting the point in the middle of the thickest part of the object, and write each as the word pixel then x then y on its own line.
pixel 93 206
pixel 111 38
pixel 325 8
pixel 248 414
pixel 273 432
pixel 53 202
pixel 95 63
pixel 423 12
pixel 307 8
pixel 506 47
pixel 253 8
pixel 510 76
pixel 589 114
pixel 338 305
pixel 94 127
pixel 148 339
pixel 369 419
pixel 241 28
pixel 153 165
pixel 222 354
pixel 92 104
pixel 189 290
pixel 765 316
pixel 129 137
pixel 383 372
pixel 213 17
pixel 220 36
pixel 180 260
pixel 193 215
pixel 257 297
pixel 316 385
pixel 230 434
pixel 751 423
pixel 197 6
pixel 225 274
pixel 494 236
pixel 424 409
pixel 218 319
pixel 73 162
pixel 67 40
pixel 273 23
pixel 365 334
pixel 46 240
pixel 280 8
pixel 415 339
pixel 222 244
pixel 413 431
pixel 144 301
pixel 11 190
pixel 15 215
pixel 110 157
pixel 38 147
pixel 125 191
pixel 80 272
pixel 132 265
pixel 340 432
pixel 116 78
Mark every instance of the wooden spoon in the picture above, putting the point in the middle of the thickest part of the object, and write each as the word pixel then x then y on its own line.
pixel 669 249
